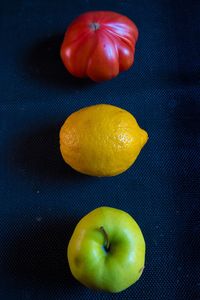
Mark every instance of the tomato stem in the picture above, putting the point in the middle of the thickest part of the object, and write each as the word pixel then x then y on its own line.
pixel 107 243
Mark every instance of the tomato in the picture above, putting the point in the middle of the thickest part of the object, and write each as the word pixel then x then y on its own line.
pixel 99 45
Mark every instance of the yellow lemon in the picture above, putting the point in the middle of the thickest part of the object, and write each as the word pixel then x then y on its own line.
pixel 101 140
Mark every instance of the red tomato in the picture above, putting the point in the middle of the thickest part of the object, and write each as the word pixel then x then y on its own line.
pixel 99 45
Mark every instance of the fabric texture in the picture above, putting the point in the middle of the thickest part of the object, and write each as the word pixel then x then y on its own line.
pixel 42 199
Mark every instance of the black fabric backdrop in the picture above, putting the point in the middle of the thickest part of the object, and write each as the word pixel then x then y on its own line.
pixel 42 199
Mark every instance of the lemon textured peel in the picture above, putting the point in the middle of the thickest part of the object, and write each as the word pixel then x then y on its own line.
pixel 101 140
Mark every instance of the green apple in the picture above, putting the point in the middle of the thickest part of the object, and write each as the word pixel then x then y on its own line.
pixel 107 250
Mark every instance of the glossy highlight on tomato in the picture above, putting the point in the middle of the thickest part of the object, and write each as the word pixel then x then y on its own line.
pixel 99 45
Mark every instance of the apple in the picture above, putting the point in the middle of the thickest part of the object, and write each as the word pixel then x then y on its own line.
pixel 107 250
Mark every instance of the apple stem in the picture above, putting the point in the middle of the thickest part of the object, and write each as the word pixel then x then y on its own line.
pixel 107 243
pixel 94 26
pixel 141 270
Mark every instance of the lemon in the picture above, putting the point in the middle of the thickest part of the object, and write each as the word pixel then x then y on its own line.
pixel 101 140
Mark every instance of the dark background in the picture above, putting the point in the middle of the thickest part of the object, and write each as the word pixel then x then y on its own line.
pixel 42 199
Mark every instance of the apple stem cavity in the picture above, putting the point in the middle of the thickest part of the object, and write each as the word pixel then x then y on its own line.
pixel 94 26
pixel 107 243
